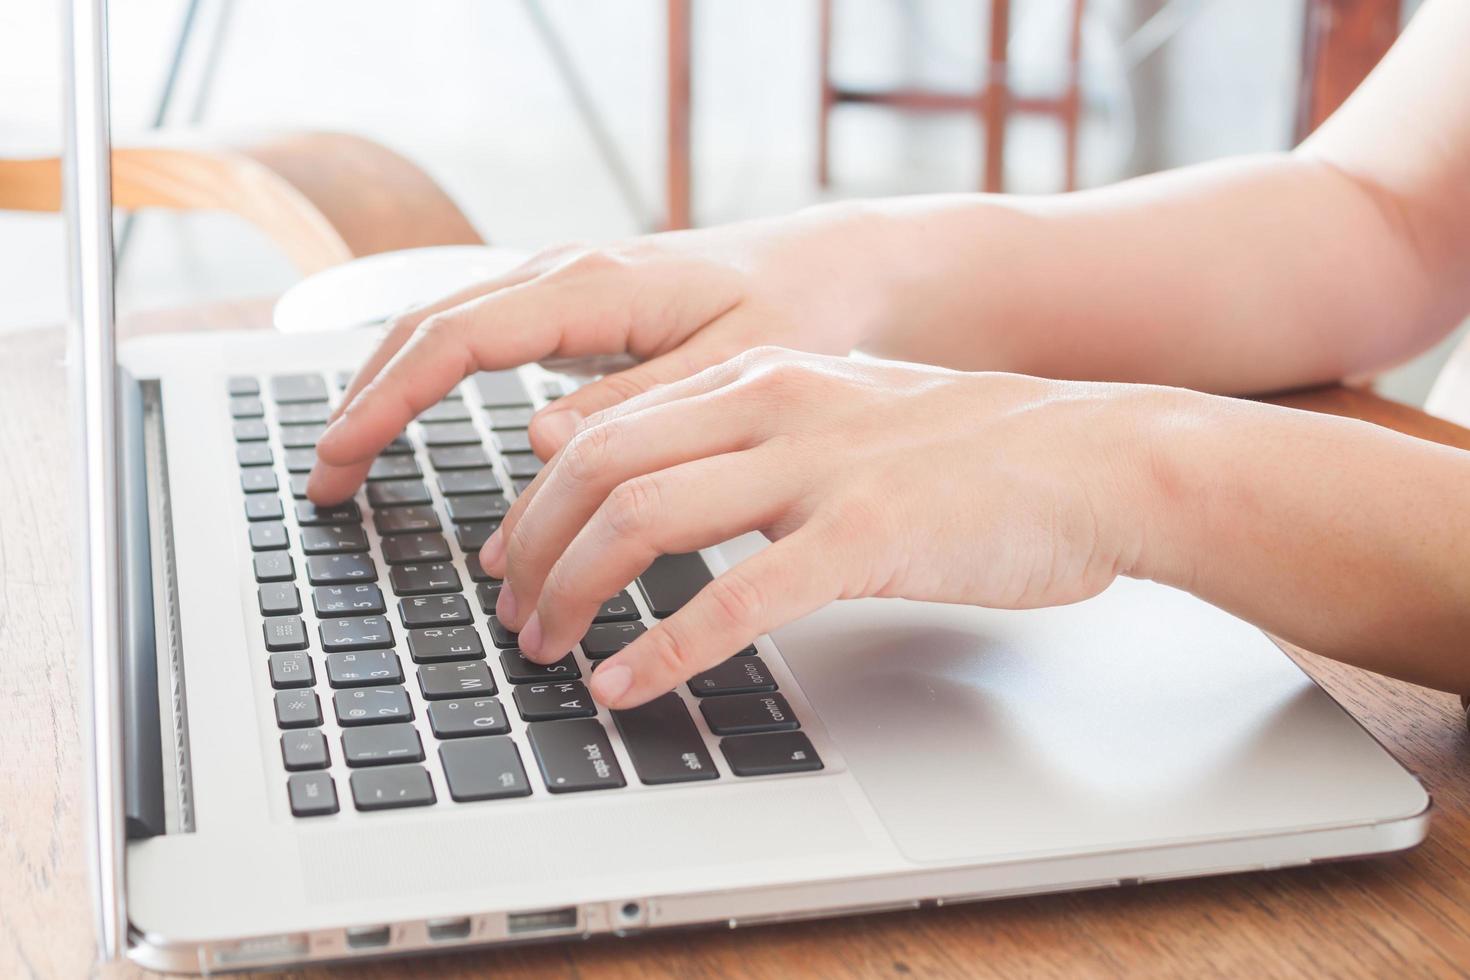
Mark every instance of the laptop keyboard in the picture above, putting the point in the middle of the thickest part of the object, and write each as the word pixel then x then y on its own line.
pixel 382 645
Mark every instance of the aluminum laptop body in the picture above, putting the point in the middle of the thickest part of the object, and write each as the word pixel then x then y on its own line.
pixel 964 753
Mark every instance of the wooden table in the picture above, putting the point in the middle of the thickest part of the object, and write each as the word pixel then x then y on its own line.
pixel 1400 915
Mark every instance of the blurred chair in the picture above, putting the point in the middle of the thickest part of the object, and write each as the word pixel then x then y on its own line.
pixel 1341 42
pixel 992 104
pixel 322 198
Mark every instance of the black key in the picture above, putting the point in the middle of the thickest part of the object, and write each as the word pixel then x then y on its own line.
pixel 766 755
pixel 391 787
pixel 477 574
pixel 278 599
pixel 333 539
pixel 412 549
pixel 298 485
pixel 301 436
pixel 604 640
pixel 355 633
pixel 618 609
pixel 251 430
pixel 483 769
pixel 424 579
pixel 456 482
pixel 263 507
pixel 306 749
pixel 459 458
pixel 522 465
pixel 406 520
pixel 437 434
pixel 500 636
pixel 258 479
pixel 517 417
pixel 307 413
pixel 400 446
pixel 498 389
pixel 512 441
pixel 455 680
pixel 284 633
pixel 397 493
pixel 433 610
pixel 246 407
pixel 254 454
pixel 347 600
pixel 340 569
pixel 671 581
pixel 664 744
pixel 446 643
pixel 274 566
pixel 519 670
pixel 471 536
pixel 298 709
pixel 549 702
pixel 447 411
pixel 242 384
pixel 298 388
pixel 290 670
pixel 300 460
pixel 488 595
pixel 268 536
pixel 381 745
pixel 313 794
pixel 477 507
pixel 738 675
pixel 466 717
pixel 574 755
pixel 394 468
pixel 371 706
pixel 363 668
pixel 309 514
pixel 746 714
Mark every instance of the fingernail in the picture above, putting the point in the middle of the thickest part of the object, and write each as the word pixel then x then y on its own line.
pixel 494 548
pixel 530 635
pixel 558 426
pixel 505 606
pixel 611 683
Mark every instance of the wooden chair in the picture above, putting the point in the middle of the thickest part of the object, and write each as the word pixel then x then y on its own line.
pixel 322 198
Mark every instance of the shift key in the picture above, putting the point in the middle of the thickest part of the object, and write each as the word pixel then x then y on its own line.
pixel 574 755
pixel 664 744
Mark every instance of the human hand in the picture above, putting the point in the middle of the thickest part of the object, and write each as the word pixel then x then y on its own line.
pixel 870 479
pixel 678 302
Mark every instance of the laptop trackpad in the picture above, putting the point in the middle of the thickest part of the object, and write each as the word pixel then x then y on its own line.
pixel 1138 717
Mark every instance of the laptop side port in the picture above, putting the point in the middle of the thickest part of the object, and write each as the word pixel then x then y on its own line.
pixel 368 937
pixel 543 921
pixel 445 930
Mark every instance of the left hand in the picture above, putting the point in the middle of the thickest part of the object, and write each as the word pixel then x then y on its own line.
pixel 870 479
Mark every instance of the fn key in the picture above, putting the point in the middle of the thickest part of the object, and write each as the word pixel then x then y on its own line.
pixel 767 755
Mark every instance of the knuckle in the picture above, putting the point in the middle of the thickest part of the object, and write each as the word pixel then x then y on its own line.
pixel 736 600
pixel 633 506
pixel 673 655
pixel 585 456
pixel 585 261
pixel 783 378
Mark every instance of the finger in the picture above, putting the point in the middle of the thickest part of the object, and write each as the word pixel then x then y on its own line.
pixel 492 555
pixel 795 576
pixel 595 462
pixel 406 323
pixel 714 343
pixel 684 508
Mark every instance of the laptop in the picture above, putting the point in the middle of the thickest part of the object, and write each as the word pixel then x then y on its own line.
pixel 310 741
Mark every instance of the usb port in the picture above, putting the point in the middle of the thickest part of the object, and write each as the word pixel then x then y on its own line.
pixel 548 920
pixel 368 937
pixel 443 930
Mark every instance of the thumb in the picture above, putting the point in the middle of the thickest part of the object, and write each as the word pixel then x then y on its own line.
pixel 555 424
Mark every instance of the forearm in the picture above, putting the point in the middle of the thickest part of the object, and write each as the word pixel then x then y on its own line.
pixel 1249 275
pixel 1340 536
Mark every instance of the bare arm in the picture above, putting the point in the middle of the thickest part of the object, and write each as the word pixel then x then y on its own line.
pixel 1247 275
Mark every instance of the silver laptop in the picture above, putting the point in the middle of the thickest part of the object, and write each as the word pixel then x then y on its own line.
pixel 310 740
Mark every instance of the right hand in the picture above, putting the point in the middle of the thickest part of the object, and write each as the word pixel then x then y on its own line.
pixel 677 302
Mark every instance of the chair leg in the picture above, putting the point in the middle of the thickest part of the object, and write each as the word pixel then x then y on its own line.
pixel 828 96
pixel 995 102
